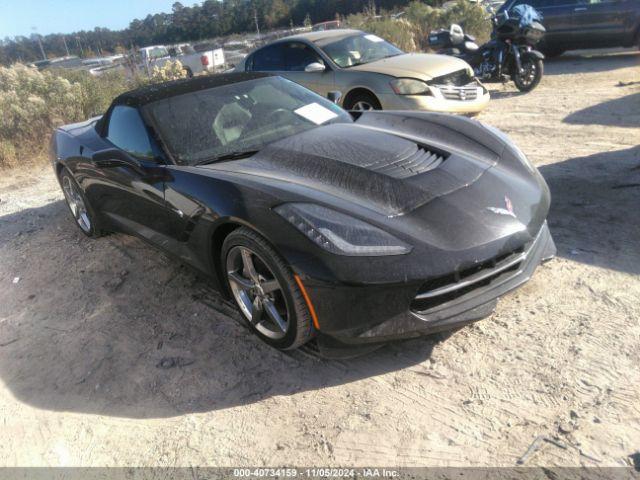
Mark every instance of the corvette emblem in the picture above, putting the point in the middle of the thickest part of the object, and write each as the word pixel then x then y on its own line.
pixel 508 210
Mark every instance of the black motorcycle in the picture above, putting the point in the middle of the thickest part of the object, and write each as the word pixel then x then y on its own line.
pixel 508 55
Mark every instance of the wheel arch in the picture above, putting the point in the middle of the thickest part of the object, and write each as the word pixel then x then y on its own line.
pixel 221 230
pixel 358 90
pixel 218 236
pixel 59 166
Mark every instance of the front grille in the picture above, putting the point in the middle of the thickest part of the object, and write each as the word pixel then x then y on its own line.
pixel 451 287
pixel 413 161
pixel 465 93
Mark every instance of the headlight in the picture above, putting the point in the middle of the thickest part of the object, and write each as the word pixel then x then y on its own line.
pixel 410 86
pixel 340 234
pixel 514 148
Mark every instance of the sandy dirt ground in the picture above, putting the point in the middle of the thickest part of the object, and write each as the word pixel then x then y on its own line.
pixel 113 354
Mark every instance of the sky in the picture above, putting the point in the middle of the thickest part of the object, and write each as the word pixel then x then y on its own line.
pixel 18 17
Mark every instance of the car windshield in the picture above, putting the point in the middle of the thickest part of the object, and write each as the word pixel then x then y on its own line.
pixel 357 49
pixel 201 126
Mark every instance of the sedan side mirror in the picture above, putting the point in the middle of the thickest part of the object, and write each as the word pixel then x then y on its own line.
pixel 315 67
pixel 334 96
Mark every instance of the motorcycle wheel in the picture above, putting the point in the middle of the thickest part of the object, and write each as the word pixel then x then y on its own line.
pixel 532 70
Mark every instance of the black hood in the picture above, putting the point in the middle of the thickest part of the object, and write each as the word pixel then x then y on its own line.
pixel 379 168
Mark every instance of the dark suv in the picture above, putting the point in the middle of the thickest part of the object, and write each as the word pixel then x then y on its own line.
pixel 575 24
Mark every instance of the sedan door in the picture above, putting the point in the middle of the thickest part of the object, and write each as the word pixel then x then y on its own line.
pixel 290 60
pixel 557 20
pixel 599 23
pixel 304 65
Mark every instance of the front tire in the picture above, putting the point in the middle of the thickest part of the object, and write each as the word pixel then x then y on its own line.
pixel 533 69
pixel 362 102
pixel 265 290
pixel 81 211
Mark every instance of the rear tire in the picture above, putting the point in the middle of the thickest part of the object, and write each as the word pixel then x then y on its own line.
pixel 533 70
pixel 362 102
pixel 262 285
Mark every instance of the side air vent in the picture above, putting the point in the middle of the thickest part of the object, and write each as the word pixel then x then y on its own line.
pixel 415 160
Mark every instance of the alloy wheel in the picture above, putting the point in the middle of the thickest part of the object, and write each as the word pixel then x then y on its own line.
pixel 257 292
pixel 76 203
pixel 362 105
pixel 528 75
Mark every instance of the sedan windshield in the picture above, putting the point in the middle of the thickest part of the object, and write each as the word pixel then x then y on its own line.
pixel 357 49
pixel 228 121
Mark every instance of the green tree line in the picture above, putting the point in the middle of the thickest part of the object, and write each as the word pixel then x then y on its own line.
pixel 210 19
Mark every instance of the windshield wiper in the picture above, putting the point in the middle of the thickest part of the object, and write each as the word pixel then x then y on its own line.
pixel 229 156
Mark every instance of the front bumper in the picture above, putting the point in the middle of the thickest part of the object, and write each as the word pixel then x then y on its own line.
pixel 435 102
pixel 394 312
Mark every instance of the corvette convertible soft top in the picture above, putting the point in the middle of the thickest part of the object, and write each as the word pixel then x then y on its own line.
pixel 354 229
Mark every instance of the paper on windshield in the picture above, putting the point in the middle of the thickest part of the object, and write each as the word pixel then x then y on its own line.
pixel 373 38
pixel 316 113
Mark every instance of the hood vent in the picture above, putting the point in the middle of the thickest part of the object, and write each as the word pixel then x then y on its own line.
pixel 415 160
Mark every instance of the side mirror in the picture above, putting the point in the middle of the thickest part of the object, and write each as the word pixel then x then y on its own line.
pixel 334 96
pixel 315 67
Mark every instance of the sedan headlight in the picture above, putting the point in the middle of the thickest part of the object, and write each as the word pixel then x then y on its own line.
pixel 340 234
pixel 410 86
pixel 514 148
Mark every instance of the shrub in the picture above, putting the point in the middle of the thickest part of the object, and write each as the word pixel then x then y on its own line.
pixel 172 70
pixel 411 33
pixel 96 93
pixel 31 103
pixel 471 17
pixel 398 32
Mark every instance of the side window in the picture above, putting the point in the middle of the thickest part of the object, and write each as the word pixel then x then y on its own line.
pixel 269 59
pixel 127 131
pixel 298 56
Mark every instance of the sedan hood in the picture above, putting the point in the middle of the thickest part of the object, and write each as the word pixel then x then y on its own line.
pixel 423 66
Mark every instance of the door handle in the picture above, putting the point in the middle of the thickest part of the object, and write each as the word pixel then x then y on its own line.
pixel 579 9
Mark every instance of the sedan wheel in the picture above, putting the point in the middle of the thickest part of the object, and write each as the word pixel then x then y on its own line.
pixel 266 290
pixel 76 203
pixel 257 292
pixel 362 102
pixel 362 105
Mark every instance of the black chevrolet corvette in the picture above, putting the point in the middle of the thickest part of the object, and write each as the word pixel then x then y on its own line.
pixel 352 228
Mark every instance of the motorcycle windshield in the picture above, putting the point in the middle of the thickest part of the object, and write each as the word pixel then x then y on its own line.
pixel 527 15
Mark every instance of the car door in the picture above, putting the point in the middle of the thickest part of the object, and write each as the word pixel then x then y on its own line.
pixel 131 195
pixel 599 23
pixel 298 57
pixel 287 60
pixel 557 20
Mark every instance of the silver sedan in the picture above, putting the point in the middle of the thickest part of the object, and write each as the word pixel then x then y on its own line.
pixel 371 73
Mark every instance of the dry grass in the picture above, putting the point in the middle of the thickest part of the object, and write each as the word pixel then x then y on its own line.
pixel 33 103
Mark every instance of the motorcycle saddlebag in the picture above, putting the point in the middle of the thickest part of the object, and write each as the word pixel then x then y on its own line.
pixel 440 38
